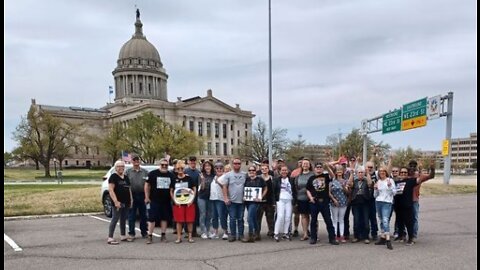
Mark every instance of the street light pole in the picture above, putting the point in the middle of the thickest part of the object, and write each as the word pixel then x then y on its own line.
pixel 270 161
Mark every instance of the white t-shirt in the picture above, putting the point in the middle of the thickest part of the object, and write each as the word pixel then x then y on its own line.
pixel 216 192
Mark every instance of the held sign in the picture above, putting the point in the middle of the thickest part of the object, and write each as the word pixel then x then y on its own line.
pixel 392 121
pixel 414 114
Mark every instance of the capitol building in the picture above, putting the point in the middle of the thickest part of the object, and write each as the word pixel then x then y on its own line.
pixel 140 81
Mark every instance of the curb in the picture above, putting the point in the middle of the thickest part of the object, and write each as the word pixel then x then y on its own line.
pixel 51 216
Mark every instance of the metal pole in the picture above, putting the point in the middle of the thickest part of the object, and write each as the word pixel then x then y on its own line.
pixel 448 136
pixel 364 157
pixel 270 161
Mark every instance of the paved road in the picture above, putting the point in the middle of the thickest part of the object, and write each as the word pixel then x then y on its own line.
pixel 447 240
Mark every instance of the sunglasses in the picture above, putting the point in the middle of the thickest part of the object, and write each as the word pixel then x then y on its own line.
pixel 403 172
pixel 252 170
pixel 237 163
pixel 394 171
pixel 164 165
pixel 370 167
pixel 179 169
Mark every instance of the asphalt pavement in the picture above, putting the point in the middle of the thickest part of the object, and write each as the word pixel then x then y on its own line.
pixel 447 240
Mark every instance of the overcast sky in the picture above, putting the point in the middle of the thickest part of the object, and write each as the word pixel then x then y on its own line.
pixel 334 62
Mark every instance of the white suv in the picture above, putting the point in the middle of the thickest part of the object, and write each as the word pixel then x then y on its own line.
pixel 105 197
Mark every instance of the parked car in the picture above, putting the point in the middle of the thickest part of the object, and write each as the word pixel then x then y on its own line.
pixel 105 196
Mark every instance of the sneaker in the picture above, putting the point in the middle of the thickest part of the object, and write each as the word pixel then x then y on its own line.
pixel 295 233
pixel 414 239
pixel 313 241
pixel 397 239
pixel 342 239
pixel 130 238
pixel 231 239
pixel 257 237
pixel 213 235
pixel 366 241
pixel 333 242
pixel 409 243
pixel 112 241
pixel 149 239
pixel 204 236
pixel 354 240
pixel 225 236
pixel 276 238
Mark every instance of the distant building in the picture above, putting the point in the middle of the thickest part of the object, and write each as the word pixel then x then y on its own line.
pixel 317 152
pixel 141 86
pixel 464 152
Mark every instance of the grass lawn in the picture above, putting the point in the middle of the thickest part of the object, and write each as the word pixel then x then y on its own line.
pixel 20 200
pixel 10 174
pixel 441 189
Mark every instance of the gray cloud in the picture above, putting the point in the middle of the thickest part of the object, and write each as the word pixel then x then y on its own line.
pixel 334 62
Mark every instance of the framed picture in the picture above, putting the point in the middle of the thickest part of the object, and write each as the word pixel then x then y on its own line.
pixel 252 194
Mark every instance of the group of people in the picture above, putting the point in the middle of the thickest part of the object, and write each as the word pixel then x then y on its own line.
pixel 223 192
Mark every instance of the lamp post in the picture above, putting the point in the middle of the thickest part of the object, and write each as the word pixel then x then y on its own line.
pixel 55 166
pixel 270 161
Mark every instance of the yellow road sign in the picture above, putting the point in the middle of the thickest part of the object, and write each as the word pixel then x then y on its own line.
pixel 445 148
pixel 416 122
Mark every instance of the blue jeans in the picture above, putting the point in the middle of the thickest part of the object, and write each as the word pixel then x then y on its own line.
pixel 360 220
pixel 324 209
pixel 416 209
pixel 252 217
pixel 236 210
pixel 384 209
pixel 219 212
pixel 138 203
pixel 205 212
pixel 372 216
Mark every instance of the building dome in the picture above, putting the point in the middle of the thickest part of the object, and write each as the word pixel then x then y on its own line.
pixel 139 48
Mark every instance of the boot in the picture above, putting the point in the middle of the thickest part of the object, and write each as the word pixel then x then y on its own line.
pixel 381 241
pixel 251 237
pixel 257 237
pixel 389 244
pixel 245 239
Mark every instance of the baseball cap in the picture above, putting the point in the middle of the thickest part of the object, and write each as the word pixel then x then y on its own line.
pixel 135 157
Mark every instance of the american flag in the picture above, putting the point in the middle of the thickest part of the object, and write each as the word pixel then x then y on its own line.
pixel 126 157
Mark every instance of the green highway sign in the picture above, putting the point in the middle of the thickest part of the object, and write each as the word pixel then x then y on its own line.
pixel 414 114
pixel 392 121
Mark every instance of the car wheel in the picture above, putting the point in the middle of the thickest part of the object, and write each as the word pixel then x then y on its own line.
pixel 107 205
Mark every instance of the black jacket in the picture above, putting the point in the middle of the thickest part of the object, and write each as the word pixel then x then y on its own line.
pixel 277 185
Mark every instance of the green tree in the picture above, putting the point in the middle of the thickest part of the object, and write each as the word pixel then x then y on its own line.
pixel 114 141
pixel 403 156
pixel 295 150
pixel 152 138
pixel 41 135
pixel 7 157
pixel 255 147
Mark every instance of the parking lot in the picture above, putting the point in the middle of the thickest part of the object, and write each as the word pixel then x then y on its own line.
pixel 447 240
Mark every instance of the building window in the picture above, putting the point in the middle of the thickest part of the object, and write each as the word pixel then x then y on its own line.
pixel 217 131
pixel 149 89
pixel 209 129
pixel 231 141
pixel 77 162
pixel 98 151
pixel 224 129
pixel 217 149
pixel 76 150
pixel 209 148
pixel 225 149
pixel 87 149
pixel 246 134
pixel 131 88
pixel 200 128
pixel 238 141
pixel 246 126
pixel 238 133
pixel 231 127
pixel 98 163
pixel 140 88
pixel 66 162
pixel 191 126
